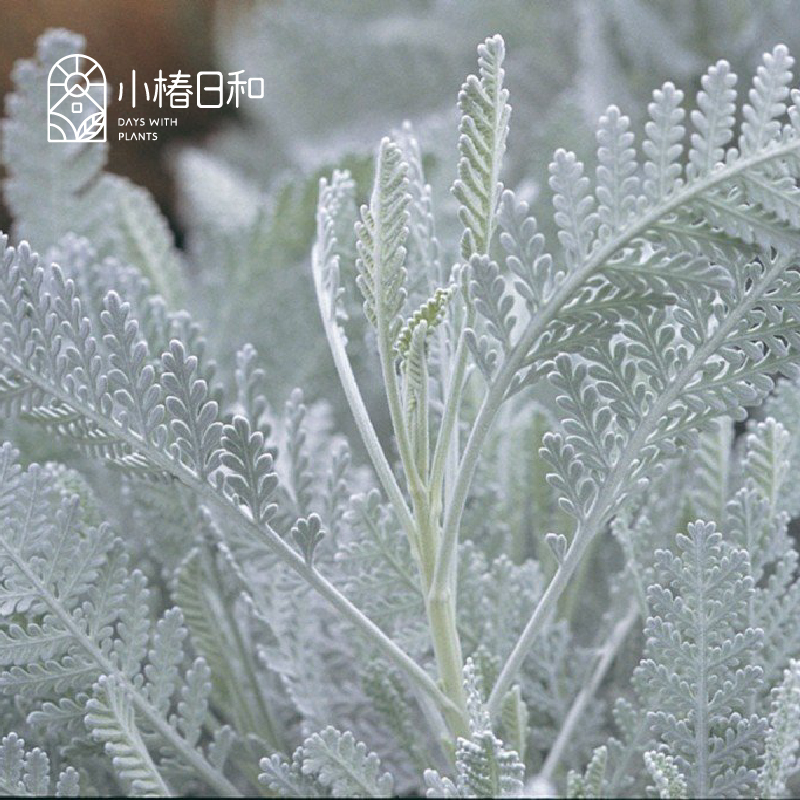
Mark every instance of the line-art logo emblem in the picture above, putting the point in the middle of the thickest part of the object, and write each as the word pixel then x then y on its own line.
pixel 76 100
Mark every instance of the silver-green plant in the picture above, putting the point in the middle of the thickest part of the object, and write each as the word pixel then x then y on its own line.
pixel 212 597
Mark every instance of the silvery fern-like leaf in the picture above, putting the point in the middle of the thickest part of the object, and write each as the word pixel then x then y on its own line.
pixel 484 126
pixel 130 647
pixel 766 460
pixel 308 534
pixel 300 477
pixel 515 722
pixel 392 700
pixel 593 781
pixel 192 414
pixel 777 602
pixel 487 291
pixel 757 523
pixel 415 375
pixel 138 234
pixel 574 208
pixel 625 752
pixel 767 101
pixel 338 491
pixel 425 269
pixel 27 774
pixel 251 476
pixel 698 662
pixel 713 119
pixel 703 212
pixel 376 558
pixel 328 763
pixel 82 372
pixel 250 388
pixel 782 407
pixel 732 214
pixel 753 528
pixel 58 568
pixel 783 739
pixel 484 767
pixel 663 145
pixel 332 198
pixel 736 374
pixel 617 183
pixel 192 707
pixel 287 779
pixel 526 257
pixel 669 783
pixel 381 237
pixel 486 612
pixel 110 719
pixel 92 278
pixel 132 377
pixel 165 658
pixel 431 312
pixel 345 765
pixel 712 470
pixel 222 634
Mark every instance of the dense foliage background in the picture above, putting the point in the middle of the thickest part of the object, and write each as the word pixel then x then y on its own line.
pixel 199 247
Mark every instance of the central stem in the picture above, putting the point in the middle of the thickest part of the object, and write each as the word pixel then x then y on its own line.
pixel 449 659
pixel 441 611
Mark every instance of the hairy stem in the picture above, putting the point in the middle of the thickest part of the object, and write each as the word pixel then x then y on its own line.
pixel 450 417
pixel 357 407
pixel 449 659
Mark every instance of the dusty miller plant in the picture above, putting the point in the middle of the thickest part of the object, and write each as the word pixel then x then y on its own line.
pixel 230 604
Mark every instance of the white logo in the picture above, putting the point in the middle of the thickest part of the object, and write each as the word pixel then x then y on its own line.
pixel 76 100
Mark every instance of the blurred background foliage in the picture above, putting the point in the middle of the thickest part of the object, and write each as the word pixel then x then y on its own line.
pixel 238 186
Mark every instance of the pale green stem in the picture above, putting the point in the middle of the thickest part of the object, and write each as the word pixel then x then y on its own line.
pixel 442 606
pixel 608 494
pixel 449 659
pixel 399 426
pixel 421 433
pixel 356 403
pixel 441 615
pixel 449 417
pixel 447 648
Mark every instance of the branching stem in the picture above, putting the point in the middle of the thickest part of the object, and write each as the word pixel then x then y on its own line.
pixel 609 492
pixel 548 313
pixel 357 406
pixel 236 516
